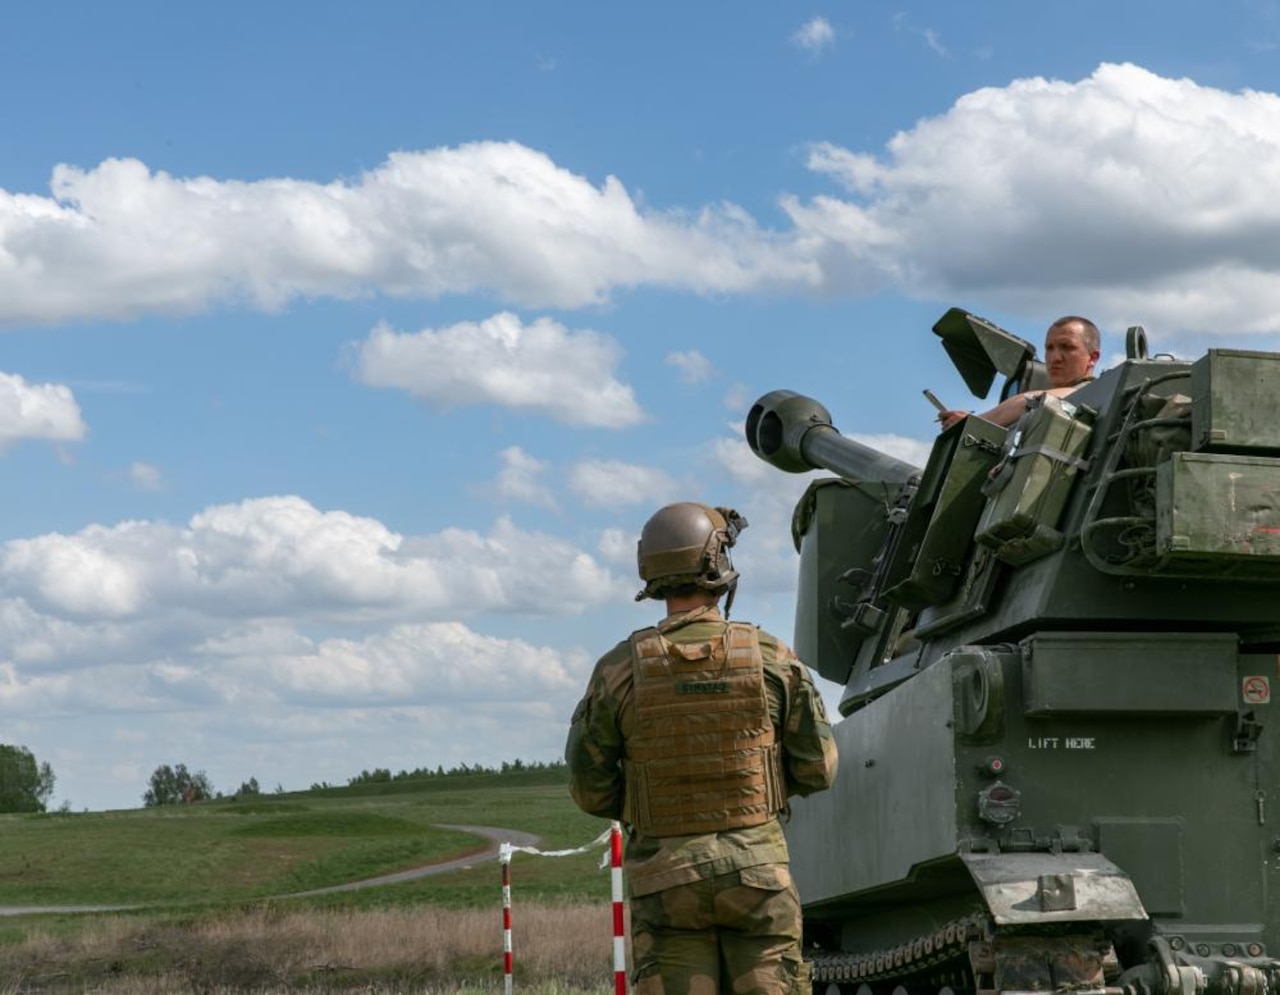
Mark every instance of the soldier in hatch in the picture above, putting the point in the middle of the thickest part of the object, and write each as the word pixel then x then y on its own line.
pixel 694 733
pixel 1072 346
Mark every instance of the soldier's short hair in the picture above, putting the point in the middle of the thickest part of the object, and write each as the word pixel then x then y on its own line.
pixel 1088 330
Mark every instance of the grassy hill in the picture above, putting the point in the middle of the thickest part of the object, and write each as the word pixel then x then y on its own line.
pixel 251 849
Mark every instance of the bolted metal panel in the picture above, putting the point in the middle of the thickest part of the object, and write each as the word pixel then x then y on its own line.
pixel 893 806
pixel 1150 851
pixel 1107 673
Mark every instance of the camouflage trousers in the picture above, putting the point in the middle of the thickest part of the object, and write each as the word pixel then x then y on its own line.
pixel 734 934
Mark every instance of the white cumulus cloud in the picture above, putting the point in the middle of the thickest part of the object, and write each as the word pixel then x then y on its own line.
pixel 618 548
pixel 146 476
pixel 37 411
pixel 520 478
pixel 692 366
pixel 815 36
pixel 401 665
pixel 120 240
pixel 267 558
pixel 616 483
pixel 420 663
pixel 541 367
pixel 1127 196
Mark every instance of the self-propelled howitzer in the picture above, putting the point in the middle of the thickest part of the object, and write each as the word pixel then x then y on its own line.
pixel 1057 644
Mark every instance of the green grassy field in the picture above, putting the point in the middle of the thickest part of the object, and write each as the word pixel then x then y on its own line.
pixel 209 884
pixel 228 852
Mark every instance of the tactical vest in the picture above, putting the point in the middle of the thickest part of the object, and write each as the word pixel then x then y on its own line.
pixel 703 757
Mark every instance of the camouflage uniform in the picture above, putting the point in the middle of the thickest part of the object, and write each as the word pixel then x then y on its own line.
pixel 713 912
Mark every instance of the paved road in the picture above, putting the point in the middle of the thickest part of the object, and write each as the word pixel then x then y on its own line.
pixel 495 836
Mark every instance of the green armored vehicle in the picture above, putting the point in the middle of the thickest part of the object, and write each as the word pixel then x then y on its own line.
pixel 1058 644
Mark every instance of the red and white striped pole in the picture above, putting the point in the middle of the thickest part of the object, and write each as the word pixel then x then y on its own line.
pixel 614 836
pixel 619 932
pixel 506 923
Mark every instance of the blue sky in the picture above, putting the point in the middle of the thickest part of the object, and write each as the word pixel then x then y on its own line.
pixel 344 350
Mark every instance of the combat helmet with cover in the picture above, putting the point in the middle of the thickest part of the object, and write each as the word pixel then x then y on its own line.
pixel 687 545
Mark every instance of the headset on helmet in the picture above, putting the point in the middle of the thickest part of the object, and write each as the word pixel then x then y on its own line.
pixel 688 544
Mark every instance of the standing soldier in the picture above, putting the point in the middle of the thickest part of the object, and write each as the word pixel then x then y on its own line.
pixel 694 733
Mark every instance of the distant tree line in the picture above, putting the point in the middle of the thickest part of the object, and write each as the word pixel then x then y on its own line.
pixel 383 775
pixel 26 784
pixel 176 785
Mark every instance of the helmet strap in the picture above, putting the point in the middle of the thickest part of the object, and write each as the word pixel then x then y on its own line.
pixel 728 601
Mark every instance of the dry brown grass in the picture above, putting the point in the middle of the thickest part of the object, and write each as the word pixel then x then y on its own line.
pixel 559 950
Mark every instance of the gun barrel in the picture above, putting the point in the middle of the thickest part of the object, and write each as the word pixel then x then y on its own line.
pixel 794 433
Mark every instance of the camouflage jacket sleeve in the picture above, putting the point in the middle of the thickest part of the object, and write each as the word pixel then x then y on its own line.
pixel 594 750
pixel 808 749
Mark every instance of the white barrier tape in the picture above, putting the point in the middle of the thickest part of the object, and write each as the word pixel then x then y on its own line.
pixel 507 850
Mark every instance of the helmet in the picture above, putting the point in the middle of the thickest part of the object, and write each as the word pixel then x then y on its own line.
pixel 688 543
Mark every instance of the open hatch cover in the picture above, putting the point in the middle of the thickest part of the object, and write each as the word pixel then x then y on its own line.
pixel 980 349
